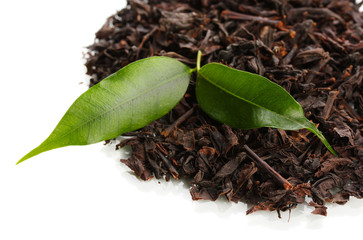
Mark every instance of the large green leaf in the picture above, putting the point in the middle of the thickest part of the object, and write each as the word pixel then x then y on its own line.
pixel 245 100
pixel 127 100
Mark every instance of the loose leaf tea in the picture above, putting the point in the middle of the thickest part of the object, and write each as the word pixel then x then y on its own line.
pixel 310 48
pixel 125 101
pixel 245 100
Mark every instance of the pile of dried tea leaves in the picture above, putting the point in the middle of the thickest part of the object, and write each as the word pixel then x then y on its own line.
pixel 311 48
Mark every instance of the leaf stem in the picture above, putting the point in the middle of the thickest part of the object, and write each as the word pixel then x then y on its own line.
pixel 193 70
pixel 199 58
pixel 268 169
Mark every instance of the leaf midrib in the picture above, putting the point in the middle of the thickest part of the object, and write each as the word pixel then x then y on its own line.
pixel 118 105
pixel 243 99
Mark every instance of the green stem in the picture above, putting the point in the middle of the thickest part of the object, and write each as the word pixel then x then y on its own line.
pixel 199 58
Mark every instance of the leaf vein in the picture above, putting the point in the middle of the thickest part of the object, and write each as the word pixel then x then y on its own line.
pixel 119 104
pixel 252 103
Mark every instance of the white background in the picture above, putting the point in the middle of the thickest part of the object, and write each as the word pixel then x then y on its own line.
pixel 85 192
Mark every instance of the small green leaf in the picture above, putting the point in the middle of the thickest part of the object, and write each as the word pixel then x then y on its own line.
pixel 127 100
pixel 245 100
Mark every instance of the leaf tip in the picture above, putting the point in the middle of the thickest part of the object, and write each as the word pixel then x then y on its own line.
pixel 31 154
pixel 23 159
pixel 333 152
pixel 315 130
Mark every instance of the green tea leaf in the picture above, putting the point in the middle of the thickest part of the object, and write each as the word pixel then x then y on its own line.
pixel 127 100
pixel 245 100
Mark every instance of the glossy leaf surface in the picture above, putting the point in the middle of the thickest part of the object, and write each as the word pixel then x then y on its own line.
pixel 127 100
pixel 245 100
